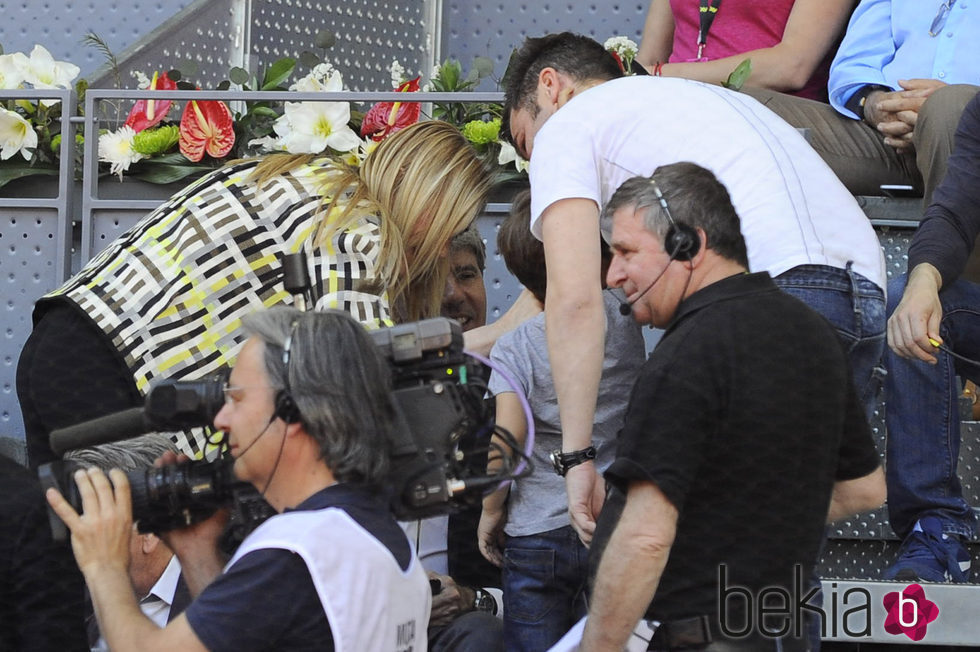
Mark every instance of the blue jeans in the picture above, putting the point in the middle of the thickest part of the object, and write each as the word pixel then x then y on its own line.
pixel 544 588
pixel 856 308
pixel 923 421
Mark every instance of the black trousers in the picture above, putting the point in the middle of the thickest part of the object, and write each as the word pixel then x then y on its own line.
pixel 68 372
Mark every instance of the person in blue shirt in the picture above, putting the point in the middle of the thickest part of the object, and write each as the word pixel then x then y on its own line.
pixel 899 82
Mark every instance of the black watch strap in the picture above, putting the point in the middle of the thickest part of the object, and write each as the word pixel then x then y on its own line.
pixel 564 461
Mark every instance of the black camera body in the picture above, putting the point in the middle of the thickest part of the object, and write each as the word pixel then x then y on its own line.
pixel 439 394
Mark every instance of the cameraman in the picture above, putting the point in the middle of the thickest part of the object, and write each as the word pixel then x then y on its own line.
pixel 307 411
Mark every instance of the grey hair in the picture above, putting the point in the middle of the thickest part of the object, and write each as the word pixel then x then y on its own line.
pixel 127 455
pixel 471 240
pixel 696 198
pixel 339 381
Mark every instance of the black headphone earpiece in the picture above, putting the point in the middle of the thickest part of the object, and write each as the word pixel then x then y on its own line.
pixel 682 241
pixel 286 408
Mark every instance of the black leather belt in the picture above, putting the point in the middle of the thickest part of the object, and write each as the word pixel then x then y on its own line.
pixel 683 633
pixel 700 633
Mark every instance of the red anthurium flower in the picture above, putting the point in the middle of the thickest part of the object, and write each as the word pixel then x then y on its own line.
pixel 206 126
pixel 149 113
pixel 386 118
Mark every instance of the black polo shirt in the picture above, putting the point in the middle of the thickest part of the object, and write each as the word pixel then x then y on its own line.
pixel 744 416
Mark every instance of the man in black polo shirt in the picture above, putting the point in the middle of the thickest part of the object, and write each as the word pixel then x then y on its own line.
pixel 743 435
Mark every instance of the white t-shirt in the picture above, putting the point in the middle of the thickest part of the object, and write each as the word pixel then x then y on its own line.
pixel 794 210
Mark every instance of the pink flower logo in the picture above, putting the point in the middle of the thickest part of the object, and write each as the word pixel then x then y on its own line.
pixel 909 612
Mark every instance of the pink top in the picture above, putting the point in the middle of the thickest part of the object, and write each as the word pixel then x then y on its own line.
pixel 740 26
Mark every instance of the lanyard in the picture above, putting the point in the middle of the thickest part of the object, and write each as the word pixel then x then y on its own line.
pixel 709 8
pixel 940 20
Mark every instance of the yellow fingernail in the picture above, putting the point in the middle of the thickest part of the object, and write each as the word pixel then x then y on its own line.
pixel 934 342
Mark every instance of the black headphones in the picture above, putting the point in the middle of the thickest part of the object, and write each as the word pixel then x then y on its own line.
pixel 682 241
pixel 286 408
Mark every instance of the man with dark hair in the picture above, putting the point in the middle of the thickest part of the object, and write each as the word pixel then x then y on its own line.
pixel 307 415
pixel 466 296
pixel 587 133
pixel 933 337
pixel 722 434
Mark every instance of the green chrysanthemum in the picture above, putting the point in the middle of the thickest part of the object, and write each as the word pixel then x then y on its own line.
pixel 482 133
pixel 156 140
pixel 56 141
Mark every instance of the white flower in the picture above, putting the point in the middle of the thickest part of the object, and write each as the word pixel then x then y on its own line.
pixel 16 135
pixel 312 127
pixel 12 70
pixel 356 157
pixel 267 143
pixel 323 78
pixel 116 148
pixel 142 81
pixel 622 46
pixel 397 73
pixel 44 72
pixel 508 154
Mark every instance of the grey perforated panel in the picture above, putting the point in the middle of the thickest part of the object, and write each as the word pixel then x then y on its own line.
pixel 217 35
pixel 493 29
pixel 28 251
pixel 59 25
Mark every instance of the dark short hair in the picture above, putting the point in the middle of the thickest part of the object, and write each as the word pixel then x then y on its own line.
pixel 523 253
pixel 577 56
pixel 470 240
pixel 339 382
pixel 695 197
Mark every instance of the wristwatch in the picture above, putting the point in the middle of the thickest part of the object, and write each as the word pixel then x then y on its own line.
pixel 483 601
pixel 859 98
pixel 565 461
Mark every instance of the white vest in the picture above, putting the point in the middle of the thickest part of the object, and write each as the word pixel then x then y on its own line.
pixel 370 602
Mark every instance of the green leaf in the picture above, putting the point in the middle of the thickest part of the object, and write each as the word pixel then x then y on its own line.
pixel 739 76
pixel 223 85
pixel 175 75
pixel 160 173
pixel 483 66
pixel 309 59
pixel 238 75
pixel 278 72
pixel 325 39
pixel 10 172
pixel 264 112
pixel 188 67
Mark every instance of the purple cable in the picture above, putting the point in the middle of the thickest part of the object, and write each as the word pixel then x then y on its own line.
pixel 529 444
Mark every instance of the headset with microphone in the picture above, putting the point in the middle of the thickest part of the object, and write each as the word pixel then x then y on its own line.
pixel 681 242
pixel 285 407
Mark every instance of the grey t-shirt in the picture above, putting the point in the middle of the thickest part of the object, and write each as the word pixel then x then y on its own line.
pixel 537 502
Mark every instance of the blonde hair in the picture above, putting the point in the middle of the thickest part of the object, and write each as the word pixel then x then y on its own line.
pixel 425 183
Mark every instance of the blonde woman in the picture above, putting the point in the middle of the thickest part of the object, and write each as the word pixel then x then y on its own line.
pixel 166 298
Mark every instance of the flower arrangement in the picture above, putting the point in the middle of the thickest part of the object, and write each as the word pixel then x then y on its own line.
pixel 30 131
pixel 162 142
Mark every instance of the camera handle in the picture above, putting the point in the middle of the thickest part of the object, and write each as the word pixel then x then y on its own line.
pixel 296 280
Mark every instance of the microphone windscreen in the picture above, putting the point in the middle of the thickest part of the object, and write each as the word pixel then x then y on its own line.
pixel 625 309
pixel 112 427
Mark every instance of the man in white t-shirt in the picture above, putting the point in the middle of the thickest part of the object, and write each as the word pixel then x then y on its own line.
pixel 586 131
